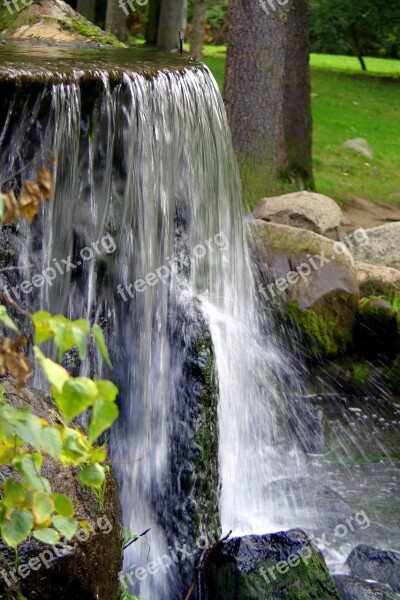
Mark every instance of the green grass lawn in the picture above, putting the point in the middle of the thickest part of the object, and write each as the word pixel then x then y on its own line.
pixel 347 103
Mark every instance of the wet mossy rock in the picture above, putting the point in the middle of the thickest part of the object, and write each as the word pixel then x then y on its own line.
pixel 206 490
pixel 89 569
pixel 376 328
pixel 326 330
pixel 280 565
pixel 327 266
pixel 52 21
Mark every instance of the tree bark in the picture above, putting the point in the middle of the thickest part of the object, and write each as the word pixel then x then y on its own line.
pixel 173 16
pixel 116 16
pixel 87 8
pixel 357 48
pixel 267 93
pixel 199 12
pixel 153 19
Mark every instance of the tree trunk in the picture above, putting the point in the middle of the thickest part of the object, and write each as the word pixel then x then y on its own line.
pixel 199 12
pixel 357 48
pixel 173 16
pixel 267 93
pixel 116 15
pixel 153 19
pixel 87 8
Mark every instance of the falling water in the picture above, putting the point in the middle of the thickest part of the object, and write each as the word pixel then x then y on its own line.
pixel 144 167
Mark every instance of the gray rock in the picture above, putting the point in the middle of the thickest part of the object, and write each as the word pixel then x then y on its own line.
pixel 382 247
pixel 371 563
pixel 377 279
pixel 268 566
pixel 352 588
pixel 306 210
pixel 283 249
pixel 359 145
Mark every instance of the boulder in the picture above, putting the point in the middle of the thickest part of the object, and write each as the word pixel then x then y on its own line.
pixel 279 565
pixel 352 588
pixel 315 276
pixel 312 266
pixel 52 21
pixel 382 247
pixel 371 563
pixel 88 566
pixel 359 145
pixel 376 279
pixel 306 210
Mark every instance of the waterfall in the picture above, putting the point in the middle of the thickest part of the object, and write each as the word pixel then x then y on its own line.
pixel 144 167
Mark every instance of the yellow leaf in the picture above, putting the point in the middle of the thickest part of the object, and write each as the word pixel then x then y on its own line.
pixel 10 207
pixel 29 200
pixel 44 179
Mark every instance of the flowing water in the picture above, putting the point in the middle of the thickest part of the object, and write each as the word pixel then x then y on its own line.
pixel 144 167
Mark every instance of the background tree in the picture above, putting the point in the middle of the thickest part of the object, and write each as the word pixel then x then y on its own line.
pixel 360 27
pixel 87 8
pixel 197 34
pixel 173 16
pixel 153 19
pixel 267 94
pixel 116 19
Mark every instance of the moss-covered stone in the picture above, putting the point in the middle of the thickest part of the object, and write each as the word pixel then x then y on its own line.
pixel 360 379
pixel 207 479
pixel 281 565
pixel 52 20
pixel 324 330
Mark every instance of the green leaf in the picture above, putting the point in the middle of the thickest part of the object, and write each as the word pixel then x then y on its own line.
pixel 47 536
pixel 28 468
pixel 42 326
pixel 66 526
pixel 28 427
pixel 80 330
pixel 42 507
pixel 51 442
pixel 5 319
pixel 103 416
pixel 62 334
pixel 56 374
pixel 76 396
pixel 107 390
pixel 98 335
pixel 76 447
pixel 63 505
pixel 97 454
pixel 92 475
pixel 17 528
pixel 14 493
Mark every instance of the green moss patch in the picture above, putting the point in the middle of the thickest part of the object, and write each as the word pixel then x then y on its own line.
pixel 325 330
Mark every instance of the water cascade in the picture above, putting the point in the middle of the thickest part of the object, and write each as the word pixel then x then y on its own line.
pixel 144 168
